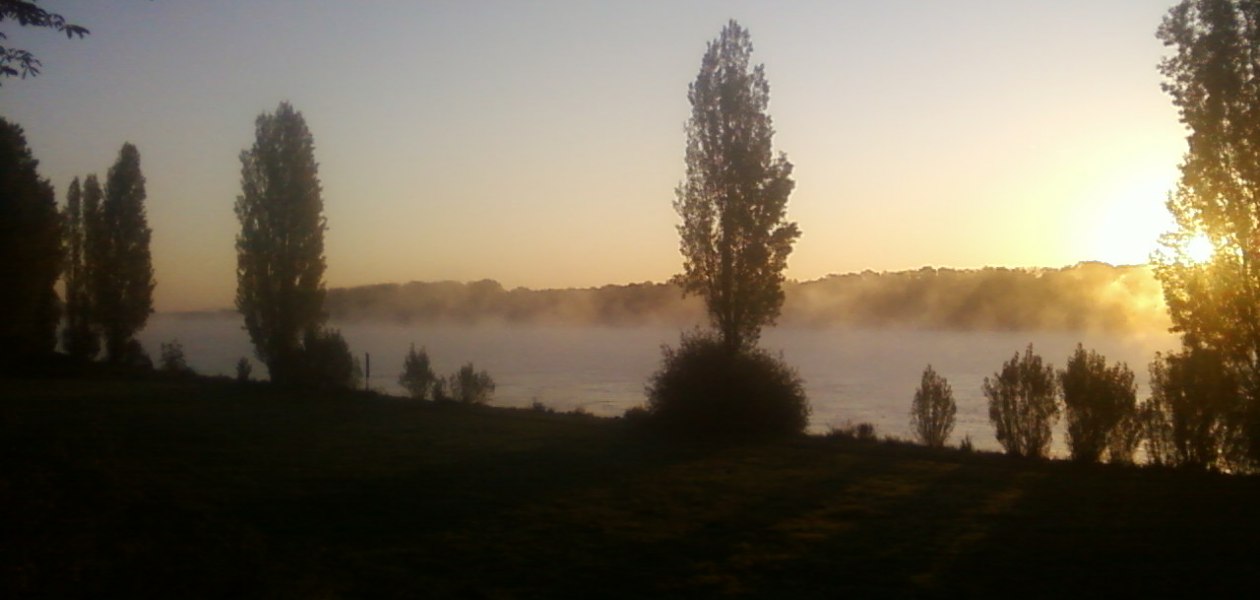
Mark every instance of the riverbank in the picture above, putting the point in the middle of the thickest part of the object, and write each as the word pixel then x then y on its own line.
pixel 208 488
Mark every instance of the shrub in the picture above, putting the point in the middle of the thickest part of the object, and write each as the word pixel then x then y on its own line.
pixel 132 355
pixel 470 386
pixel 965 445
pixel 243 370
pixel 417 376
pixel 172 359
pixel 1023 405
pixel 704 388
pixel 326 361
pixel 1098 401
pixel 932 412
pixel 860 432
pixel 1191 417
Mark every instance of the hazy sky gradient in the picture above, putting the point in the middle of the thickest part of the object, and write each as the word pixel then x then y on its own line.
pixel 539 143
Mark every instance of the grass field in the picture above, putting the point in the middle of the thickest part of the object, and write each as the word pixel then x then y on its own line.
pixel 208 488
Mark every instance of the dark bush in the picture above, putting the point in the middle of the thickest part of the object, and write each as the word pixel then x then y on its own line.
pixel 1100 401
pixel 244 370
pixel 172 359
pixel 933 409
pixel 705 389
pixel 417 376
pixel 1191 418
pixel 470 386
pixel 326 361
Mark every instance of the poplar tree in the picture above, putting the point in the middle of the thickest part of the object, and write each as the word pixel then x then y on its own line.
pixel 78 339
pixel 280 248
pixel 123 296
pixel 735 237
pixel 30 251
pixel 1214 80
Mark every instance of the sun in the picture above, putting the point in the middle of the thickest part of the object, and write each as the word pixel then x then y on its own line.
pixel 1199 249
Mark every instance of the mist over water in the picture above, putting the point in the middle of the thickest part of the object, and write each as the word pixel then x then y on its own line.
pixel 851 374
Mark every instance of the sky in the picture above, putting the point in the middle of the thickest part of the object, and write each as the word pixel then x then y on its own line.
pixel 539 143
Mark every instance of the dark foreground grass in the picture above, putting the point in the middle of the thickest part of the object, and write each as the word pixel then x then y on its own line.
pixel 200 488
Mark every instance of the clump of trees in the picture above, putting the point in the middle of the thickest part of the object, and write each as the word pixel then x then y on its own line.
pixel 109 272
pixel 933 410
pixel 1023 405
pixel 466 385
pixel 735 240
pixel 30 252
pixel 1193 417
pixel 1215 304
pixel 280 256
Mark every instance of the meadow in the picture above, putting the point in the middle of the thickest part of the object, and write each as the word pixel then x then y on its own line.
pixel 206 487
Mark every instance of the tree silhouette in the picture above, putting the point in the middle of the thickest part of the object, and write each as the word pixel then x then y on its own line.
pixel 735 239
pixel 1099 400
pixel 280 249
pixel 470 386
pixel 932 412
pixel 30 251
pixel 1022 405
pixel 417 375
pixel 1214 81
pixel 122 298
pixel 1192 415
pixel 16 62
pixel 78 337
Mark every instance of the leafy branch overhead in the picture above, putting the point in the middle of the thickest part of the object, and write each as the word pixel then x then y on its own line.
pixel 16 62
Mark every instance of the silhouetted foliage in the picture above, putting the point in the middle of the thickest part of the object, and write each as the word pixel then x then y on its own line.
pixel 702 388
pixel 78 338
pixel 858 432
pixel 122 295
pixel 1192 418
pixel 469 386
pixel 933 409
pixel 1023 405
pixel 324 361
pixel 280 249
pixel 30 251
pixel 735 238
pixel 1100 402
pixel 417 376
pixel 1215 83
pixel 16 62
pixel 172 360
pixel 244 370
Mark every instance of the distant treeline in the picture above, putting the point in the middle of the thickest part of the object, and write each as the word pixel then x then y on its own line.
pixel 1083 296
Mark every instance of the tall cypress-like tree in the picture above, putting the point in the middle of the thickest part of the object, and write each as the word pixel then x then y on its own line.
pixel 123 301
pixel 280 249
pixel 1214 80
pixel 78 339
pixel 30 251
pixel 735 238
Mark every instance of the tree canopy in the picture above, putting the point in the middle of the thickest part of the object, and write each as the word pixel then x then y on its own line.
pixel 735 237
pixel 16 62
pixel 123 294
pixel 1214 80
pixel 280 248
pixel 30 251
